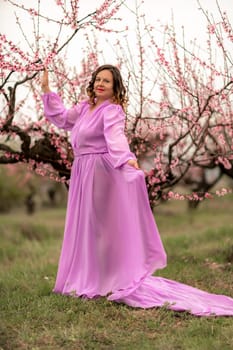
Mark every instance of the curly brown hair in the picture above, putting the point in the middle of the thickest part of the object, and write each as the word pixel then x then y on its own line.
pixel 119 89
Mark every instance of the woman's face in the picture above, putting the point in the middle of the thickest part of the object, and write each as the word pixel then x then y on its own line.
pixel 103 85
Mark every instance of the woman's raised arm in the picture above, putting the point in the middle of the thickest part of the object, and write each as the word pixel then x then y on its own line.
pixel 45 81
pixel 54 109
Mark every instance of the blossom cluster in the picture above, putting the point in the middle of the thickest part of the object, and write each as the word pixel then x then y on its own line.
pixel 196 196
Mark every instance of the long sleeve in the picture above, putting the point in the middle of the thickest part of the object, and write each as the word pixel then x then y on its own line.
pixel 117 144
pixel 56 112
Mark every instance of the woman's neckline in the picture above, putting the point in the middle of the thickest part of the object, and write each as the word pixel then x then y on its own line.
pixel 92 108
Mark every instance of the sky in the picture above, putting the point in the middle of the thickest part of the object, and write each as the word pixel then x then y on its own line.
pixel 185 13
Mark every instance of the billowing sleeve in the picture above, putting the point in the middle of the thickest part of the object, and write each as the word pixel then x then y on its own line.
pixel 56 112
pixel 117 144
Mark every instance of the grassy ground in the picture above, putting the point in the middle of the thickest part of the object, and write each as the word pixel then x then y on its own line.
pixel 200 253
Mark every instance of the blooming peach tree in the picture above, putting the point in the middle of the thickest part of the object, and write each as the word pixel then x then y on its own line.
pixel 179 116
pixel 25 135
pixel 181 122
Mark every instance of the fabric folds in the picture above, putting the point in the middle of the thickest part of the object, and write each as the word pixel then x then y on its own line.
pixel 111 244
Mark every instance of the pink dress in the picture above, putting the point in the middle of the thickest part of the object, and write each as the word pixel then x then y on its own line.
pixel 111 244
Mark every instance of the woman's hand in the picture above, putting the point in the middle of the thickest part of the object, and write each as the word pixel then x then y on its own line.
pixel 45 81
pixel 133 163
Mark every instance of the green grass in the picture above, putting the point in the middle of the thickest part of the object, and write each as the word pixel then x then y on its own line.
pixel 200 252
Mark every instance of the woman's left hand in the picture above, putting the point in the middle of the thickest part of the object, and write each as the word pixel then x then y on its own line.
pixel 133 163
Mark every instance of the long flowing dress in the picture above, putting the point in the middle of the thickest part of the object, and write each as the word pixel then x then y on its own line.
pixel 111 244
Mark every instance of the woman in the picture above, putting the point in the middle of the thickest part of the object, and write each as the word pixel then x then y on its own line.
pixel 111 243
